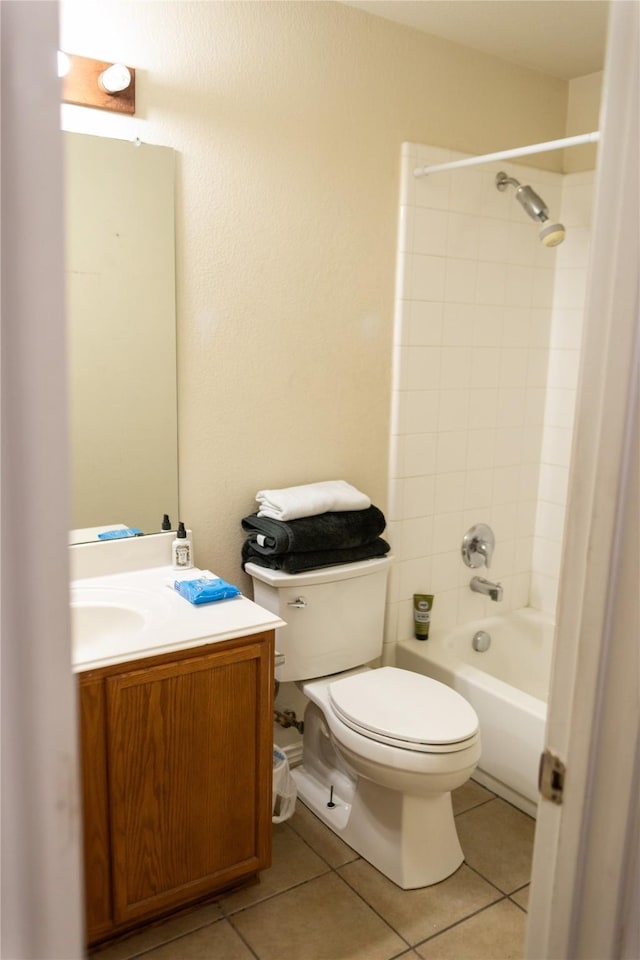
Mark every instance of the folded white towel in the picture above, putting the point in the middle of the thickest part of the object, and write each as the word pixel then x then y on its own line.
pixel 309 499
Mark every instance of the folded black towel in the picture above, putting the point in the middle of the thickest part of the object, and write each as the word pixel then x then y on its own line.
pixel 325 531
pixel 312 559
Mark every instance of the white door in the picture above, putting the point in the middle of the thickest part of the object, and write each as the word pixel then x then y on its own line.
pixel 585 889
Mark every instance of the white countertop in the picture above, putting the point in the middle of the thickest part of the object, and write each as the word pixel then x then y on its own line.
pixel 156 619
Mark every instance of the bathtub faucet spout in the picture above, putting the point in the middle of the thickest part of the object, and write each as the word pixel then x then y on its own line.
pixel 487 587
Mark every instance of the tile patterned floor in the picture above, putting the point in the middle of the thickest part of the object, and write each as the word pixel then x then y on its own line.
pixel 321 901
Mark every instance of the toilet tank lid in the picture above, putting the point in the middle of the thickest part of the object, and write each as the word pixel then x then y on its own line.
pixel 342 571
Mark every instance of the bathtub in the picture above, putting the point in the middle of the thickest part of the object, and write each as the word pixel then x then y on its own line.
pixel 507 686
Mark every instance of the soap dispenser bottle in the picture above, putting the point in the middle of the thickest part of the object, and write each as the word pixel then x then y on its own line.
pixel 181 549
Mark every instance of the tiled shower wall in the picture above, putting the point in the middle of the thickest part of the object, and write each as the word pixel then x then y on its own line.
pixel 487 338
pixel 562 377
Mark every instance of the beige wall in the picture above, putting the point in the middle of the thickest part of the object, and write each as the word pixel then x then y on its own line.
pixel 583 116
pixel 288 120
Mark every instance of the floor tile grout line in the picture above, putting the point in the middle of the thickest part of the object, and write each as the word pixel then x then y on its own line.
pixel 458 923
pixel 255 953
pixel 277 893
pixel 371 907
pixel 317 853
pixel 480 803
pixel 504 893
pixel 518 905
pixel 155 946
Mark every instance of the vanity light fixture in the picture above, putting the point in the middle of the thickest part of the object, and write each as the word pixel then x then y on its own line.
pixel 115 78
pixel 96 83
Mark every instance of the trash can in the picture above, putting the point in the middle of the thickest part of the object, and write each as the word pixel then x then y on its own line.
pixel 284 788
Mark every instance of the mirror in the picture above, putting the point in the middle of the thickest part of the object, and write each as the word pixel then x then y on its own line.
pixel 120 274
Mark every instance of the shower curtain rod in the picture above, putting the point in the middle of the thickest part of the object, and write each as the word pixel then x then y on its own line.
pixel 507 154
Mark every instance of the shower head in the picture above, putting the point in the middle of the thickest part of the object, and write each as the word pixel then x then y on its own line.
pixel 551 234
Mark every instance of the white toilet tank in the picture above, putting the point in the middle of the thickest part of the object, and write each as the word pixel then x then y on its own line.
pixel 334 615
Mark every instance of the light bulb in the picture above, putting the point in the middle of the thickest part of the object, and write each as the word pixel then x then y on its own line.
pixel 115 78
pixel 64 64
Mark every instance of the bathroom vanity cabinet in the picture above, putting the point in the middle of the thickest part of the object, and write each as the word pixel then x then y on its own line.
pixel 176 757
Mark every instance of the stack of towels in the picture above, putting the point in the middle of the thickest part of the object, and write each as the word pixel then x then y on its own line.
pixel 313 525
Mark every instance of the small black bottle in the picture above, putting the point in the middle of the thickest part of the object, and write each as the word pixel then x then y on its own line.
pixel 166 522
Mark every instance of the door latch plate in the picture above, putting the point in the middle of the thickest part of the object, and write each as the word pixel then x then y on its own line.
pixel 551 775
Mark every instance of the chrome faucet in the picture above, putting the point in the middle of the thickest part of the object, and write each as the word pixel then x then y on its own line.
pixel 487 587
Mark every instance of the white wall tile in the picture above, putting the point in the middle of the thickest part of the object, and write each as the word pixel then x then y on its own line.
pixel 488 327
pixel 543 288
pixel 453 413
pixel 491 283
pixel 505 484
pixel 553 483
pixel 546 556
pixel 449 492
pixel 540 327
pixel 466 187
pixel 560 408
pixel 458 324
pixel 483 408
pixel 563 369
pixel 511 407
pixel 417 538
pixel 488 322
pixel 448 531
pixel 426 277
pixel 574 251
pixel 566 330
pixel 522 244
pixel 418 496
pixel 518 289
pixel 414 576
pixel 493 240
pixel 528 482
pixel 463 236
pixel 451 452
pixel 569 290
pixel 535 406
pixel 417 457
pixel 446 571
pixel 516 327
pixel 556 446
pixel 430 229
pixel 508 447
pixel 432 191
pixel 485 367
pixel 480 449
pixel 478 489
pixel 514 364
pixel 417 411
pixel 424 323
pixel 460 282
pixel 455 369
pixel 406 220
pixel 550 521
pixel 422 368
pixel 445 610
pixel 537 367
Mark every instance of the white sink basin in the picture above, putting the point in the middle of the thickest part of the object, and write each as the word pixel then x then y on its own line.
pixel 95 622
pixel 115 614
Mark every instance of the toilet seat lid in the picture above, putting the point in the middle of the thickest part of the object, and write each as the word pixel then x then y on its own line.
pixel 399 706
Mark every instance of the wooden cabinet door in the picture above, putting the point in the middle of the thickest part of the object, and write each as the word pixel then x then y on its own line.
pixel 190 758
pixel 95 808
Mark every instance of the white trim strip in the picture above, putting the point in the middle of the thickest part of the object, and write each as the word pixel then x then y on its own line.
pixel 508 154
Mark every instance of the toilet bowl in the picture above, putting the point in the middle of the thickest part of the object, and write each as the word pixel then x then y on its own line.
pixel 391 798
pixel 382 748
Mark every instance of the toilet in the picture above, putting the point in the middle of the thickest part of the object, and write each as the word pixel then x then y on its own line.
pixel 382 747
